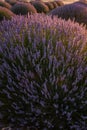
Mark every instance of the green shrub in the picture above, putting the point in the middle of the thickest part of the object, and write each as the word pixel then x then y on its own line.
pixel 5 4
pixel 23 8
pixel 40 7
pixel 5 13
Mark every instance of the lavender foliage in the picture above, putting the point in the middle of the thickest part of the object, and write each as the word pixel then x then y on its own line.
pixel 5 4
pixel 40 6
pixel 83 1
pixel 59 3
pixel 55 5
pixel 43 73
pixel 76 11
pixel 11 2
pixel 5 13
pixel 22 8
pixel 50 5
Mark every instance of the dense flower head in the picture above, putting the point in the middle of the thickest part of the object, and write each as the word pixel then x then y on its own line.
pixel 76 12
pixel 40 6
pixel 43 67
pixel 23 8
pixel 5 13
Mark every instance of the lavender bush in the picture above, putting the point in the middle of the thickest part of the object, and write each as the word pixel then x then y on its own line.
pixel 23 8
pixel 50 5
pixel 40 6
pixel 26 1
pixel 11 2
pixel 83 1
pixel 79 3
pixel 5 13
pixel 59 3
pixel 5 4
pixel 43 73
pixel 55 5
pixel 76 12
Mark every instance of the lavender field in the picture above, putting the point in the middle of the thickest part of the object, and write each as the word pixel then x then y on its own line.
pixel 43 65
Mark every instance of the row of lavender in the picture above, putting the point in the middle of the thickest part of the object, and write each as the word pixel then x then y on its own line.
pixel 11 8
pixel 43 73
pixel 76 11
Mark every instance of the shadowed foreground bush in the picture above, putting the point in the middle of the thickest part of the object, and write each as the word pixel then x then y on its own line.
pixel 5 13
pixel 40 6
pixel 76 11
pixel 5 4
pixel 43 67
pixel 23 8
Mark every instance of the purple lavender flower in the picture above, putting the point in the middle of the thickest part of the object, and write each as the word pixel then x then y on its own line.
pixel 43 73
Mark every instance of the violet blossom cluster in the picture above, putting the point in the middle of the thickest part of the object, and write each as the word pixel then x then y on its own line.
pixel 43 73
